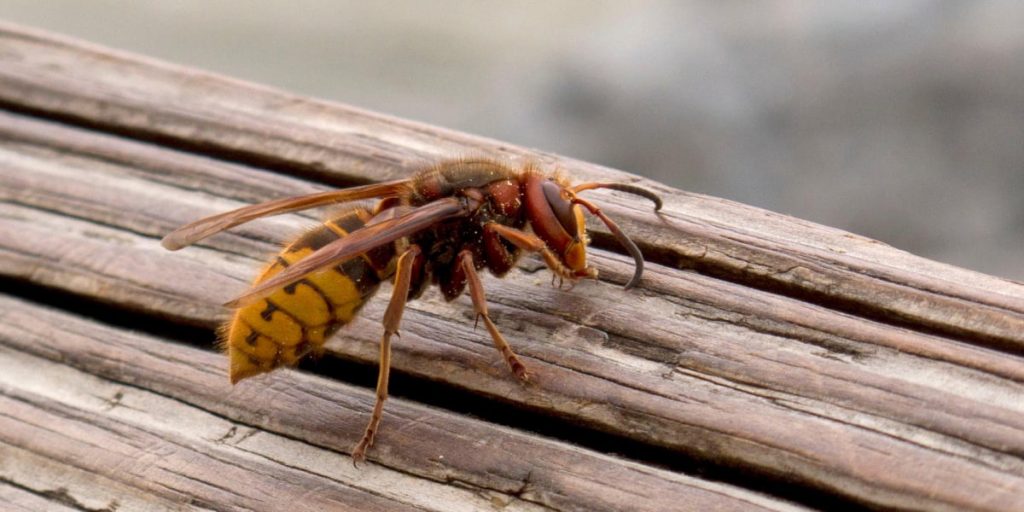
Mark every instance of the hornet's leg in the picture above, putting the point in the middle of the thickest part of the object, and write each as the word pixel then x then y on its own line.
pixel 624 240
pixel 392 318
pixel 476 291
pixel 533 243
pixel 631 247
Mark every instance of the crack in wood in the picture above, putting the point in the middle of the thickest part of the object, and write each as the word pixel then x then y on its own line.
pixel 62 496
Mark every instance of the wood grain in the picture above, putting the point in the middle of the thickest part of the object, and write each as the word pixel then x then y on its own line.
pixel 157 417
pixel 710 369
pixel 822 360
pixel 202 112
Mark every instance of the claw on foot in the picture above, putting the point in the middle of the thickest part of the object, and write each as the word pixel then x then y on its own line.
pixel 359 452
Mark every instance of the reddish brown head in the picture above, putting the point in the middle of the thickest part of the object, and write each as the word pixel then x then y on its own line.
pixel 559 222
pixel 555 212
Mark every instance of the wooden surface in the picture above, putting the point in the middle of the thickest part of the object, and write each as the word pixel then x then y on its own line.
pixel 764 361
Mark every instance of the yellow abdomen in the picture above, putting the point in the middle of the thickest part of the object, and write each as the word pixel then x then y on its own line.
pixel 296 320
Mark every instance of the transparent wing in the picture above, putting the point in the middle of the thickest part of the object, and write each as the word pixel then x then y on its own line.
pixel 202 228
pixel 357 242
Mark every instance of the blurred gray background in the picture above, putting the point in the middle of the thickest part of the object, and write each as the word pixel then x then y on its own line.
pixel 898 120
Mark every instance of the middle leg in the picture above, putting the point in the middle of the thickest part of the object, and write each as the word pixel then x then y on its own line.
pixel 476 292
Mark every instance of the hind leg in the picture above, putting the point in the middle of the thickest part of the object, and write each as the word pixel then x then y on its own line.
pixel 392 319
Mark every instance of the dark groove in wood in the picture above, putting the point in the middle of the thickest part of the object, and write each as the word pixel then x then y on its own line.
pixel 190 398
pixel 659 255
pixel 458 400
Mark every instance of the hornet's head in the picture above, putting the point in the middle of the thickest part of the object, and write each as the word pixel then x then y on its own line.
pixel 557 220
pixel 555 213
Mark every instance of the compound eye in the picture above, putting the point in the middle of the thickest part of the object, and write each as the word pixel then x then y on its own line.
pixel 562 207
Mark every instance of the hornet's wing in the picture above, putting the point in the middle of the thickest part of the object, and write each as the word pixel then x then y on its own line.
pixel 202 228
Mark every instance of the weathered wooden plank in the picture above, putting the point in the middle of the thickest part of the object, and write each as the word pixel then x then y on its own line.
pixel 42 184
pixel 711 369
pixel 58 484
pixel 168 464
pixel 17 499
pixel 150 414
pixel 145 441
pixel 114 91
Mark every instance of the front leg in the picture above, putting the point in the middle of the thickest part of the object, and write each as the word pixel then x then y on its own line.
pixel 533 243
pixel 476 292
